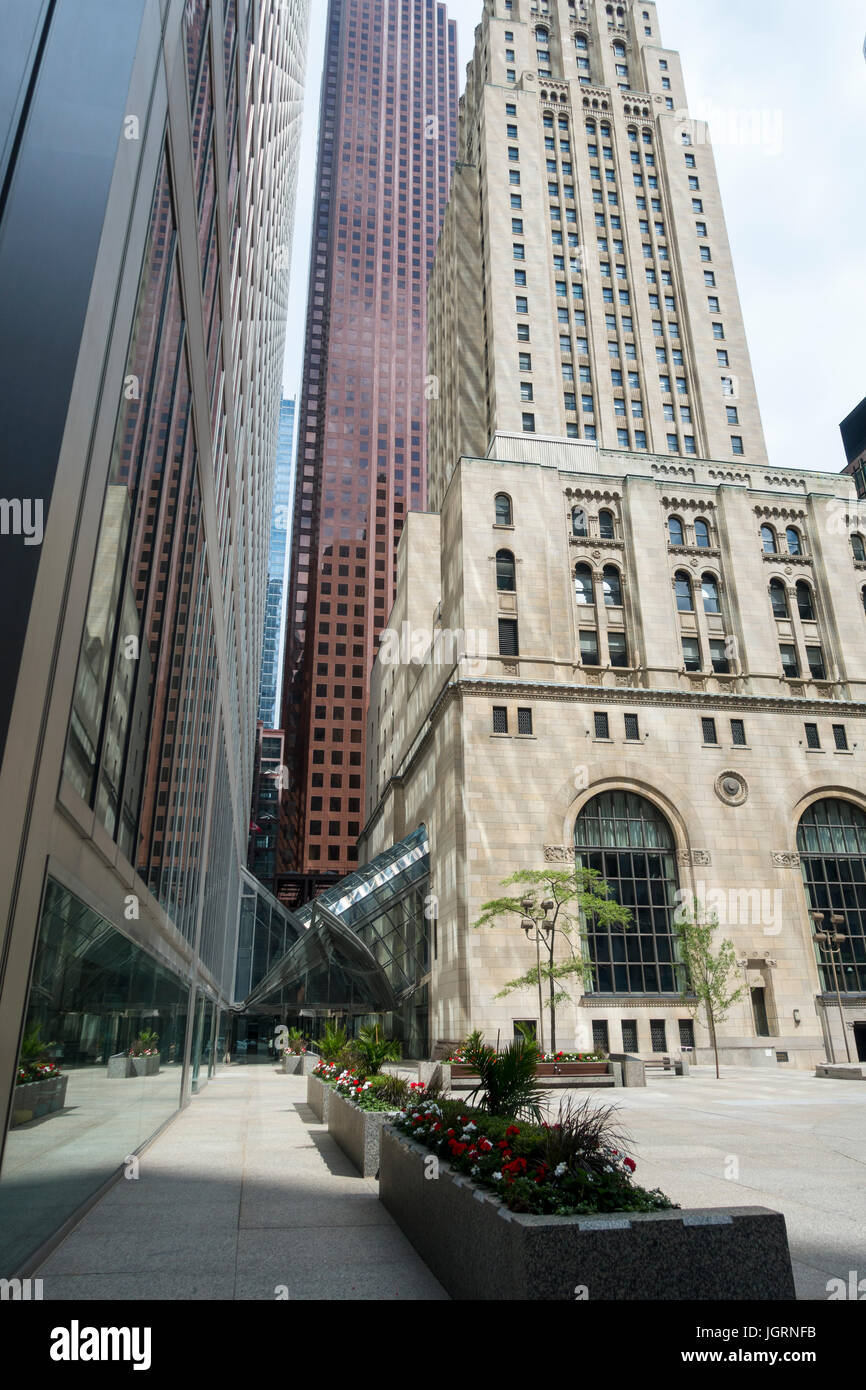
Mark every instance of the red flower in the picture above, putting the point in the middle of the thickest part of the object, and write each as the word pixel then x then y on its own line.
pixel 630 1164
pixel 512 1129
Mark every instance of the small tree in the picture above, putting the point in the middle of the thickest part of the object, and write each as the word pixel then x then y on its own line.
pixel 708 970
pixel 575 898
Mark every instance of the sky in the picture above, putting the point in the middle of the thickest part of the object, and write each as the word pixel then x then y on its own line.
pixel 782 84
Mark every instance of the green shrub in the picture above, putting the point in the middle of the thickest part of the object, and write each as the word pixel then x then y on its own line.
pixel 508 1081
pixel 374 1050
pixel 332 1042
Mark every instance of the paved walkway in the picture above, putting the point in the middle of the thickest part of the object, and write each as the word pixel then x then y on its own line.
pixel 244 1196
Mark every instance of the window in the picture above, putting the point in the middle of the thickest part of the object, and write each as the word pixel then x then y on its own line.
pixel 525 361
pixel 508 645
pixel 719 657
pixel 579 522
pixel 779 599
pixel 683 589
pixel 691 654
pixel 805 604
pixel 632 728
pixel 658 1035
pixel 737 445
pixel 503 510
pixel 583 590
pixel 790 662
pixel 602 725
pixel 528 424
pixel 708 728
pixel 521 304
pixel 710 593
pixel 738 733
pixel 523 333
pixel 524 722
pixel 733 415
pixel 702 534
pixel 815 658
pixel 840 738
pixel 629 1035
pixel 500 719
pixel 589 647
pixel 526 391
pixel 768 540
pixel 858 548
pixel 606 527
pixel 506 574
pixel 722 357
pixel 617 649
pixel 710 278
pixel 813 738
pixel 675 529
pixel 612 587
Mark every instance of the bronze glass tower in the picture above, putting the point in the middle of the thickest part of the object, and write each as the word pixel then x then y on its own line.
pixel 387 143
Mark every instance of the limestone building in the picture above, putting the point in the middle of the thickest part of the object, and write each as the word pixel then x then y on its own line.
pixel 622 635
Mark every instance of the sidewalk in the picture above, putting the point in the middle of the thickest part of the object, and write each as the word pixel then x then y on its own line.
pixel 245 1196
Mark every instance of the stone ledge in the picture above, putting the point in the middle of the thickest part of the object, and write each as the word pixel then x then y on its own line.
pixel 358 1132
pixel 481 1251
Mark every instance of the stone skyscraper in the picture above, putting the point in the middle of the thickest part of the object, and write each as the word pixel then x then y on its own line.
pixel 587 198
pixel 387 144
pixel 149 162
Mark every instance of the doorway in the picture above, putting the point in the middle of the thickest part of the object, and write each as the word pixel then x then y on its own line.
pixel 860 1041
pixel 759 1010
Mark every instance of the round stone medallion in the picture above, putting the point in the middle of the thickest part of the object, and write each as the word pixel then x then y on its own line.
pixel 732 788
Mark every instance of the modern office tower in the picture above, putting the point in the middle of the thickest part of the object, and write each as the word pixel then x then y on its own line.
pixel 645 662
pixel 853 429
pixel 145 226
pixel 387 144
pixel 268 772
pixel 269 678
pixel 587 197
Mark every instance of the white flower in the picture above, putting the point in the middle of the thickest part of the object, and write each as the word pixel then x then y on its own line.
pixel 474 1169
pixel 560 1169
pixel 470 1127
pixel 497 1177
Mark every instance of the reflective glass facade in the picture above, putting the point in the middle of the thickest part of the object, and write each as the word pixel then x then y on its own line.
pixel 269 679
pixel 387 144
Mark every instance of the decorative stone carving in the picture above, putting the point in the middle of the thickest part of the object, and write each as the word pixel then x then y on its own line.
pixel 559 854
pixel 732 788
pixel 700 858
pixel 784 859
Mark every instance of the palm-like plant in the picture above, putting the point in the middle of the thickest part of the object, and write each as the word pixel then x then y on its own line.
pixel 374 1050
pixel 332 1042
pixel 295 1041
pixel 509 1085
pixel 585 1136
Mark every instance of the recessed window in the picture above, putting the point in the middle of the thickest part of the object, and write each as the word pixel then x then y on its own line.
pixel 508 644
pixel 506 581
pixel 675 530
pixel 858 548
pixel 683 589
pixel 612 587
pixel 583 588
pixel 528 424
pixel 719 658
pixel 606 525
pixel 503 510
pixel 790 661
pixel 779 599
pixel 524 722
pixel 602 725
pixel 500 719
pixel 738 733
pixel 768 540
pixel 805 601
pixel 702 534
pixel 617 649
pixel 588 647
pixel 708 728
pixel 710 593
pixel 632 728
pixel 840 737
pixel 817 667
pixel 691 654
pixel 813 738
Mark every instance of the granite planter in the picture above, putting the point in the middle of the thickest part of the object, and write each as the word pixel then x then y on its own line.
pixel 358 1132
pixel 119 1066
pixel 37 1098
pixel 145 1066
pixel 293 1064
pixel 479 1250
pixel 319 1098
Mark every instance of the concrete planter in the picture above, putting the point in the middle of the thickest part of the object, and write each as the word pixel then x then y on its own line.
pixel 319 1098
pixel 358 1132
pixel 37 1098
pixel 293 1064
pixel 481 1251
pixel 118 1066
pixel 145 1066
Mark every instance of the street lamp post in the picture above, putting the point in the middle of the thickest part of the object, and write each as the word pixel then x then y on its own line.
pixel 831 942
pixel 533 929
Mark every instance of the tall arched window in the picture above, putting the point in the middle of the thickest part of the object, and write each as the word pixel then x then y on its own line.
pixel 506 574
pixel 606 527
pixel 779 599
pixel 627 840
pixel 579 522
pixel 683 586
pixel 612 587
pixel 858 548
pixel 795 545
pixel 768 538
pixel 503 510
pixel 831 839
pixel 702 534
pixel 675 530
pixel 805 601
pixel 710 593
pixel 583 585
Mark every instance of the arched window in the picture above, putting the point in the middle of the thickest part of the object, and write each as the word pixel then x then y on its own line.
pixel 542 34
pixel 702 534
pixel 579 523
pixel 779 599
pixel 583 586
pixel 683 586
pixel 792 536
pixel 831 839
pixel 612 587
pixel 710 593
pixel 619 50
pixel 768 539
pixel 626 840
pixel 506 573
pixel 606 526
pixel 805 601
pixel 503 510
pixel 675 530
pixel 858 548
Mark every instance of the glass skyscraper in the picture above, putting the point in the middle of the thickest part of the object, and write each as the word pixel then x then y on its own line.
pixel 277 560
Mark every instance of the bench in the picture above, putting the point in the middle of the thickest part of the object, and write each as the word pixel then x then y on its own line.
pixel 549 1074
pixel 678 1065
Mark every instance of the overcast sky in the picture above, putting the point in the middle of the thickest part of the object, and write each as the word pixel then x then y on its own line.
pixel 794 201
